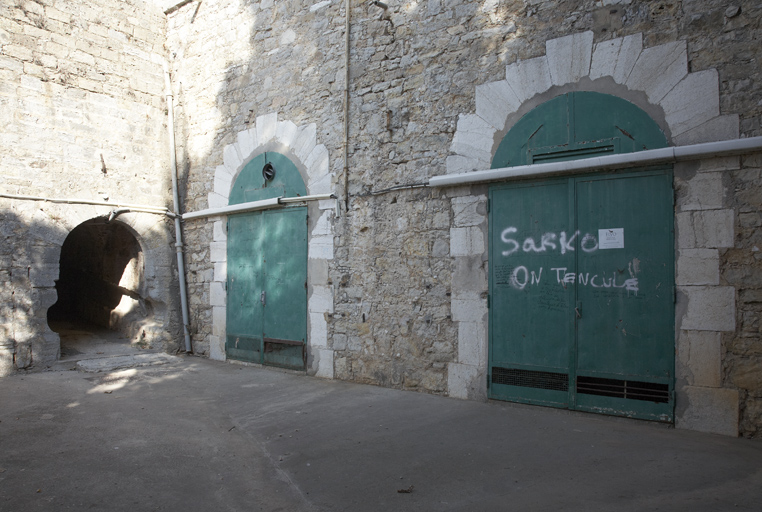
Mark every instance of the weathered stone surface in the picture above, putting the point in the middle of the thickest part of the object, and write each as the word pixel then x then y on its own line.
pixel 710 308
pixel 705 229
pixel 698 267
pixel 699 354
pixel 713 410
pixel 616 57
pixel 569 57
pixel 703 191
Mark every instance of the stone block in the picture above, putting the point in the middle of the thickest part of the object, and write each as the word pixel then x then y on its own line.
pixel 456 164
pixel 217 294
pixel 305 142
pixel 317 163
pixel 217 348
pixel 318 330
pixel 473 137
pixel 705 229
pixel 693 101
pixel 469 275
pixel 704 191
pixel 324 361
pixel 232 159
pixel 218 252
pixel 472 344
pixel 219 231
pixel 616 57
pixel 321 247
pixel 215 200
pixel 219 321
pixel 722 163
pixel 699 355
pixel 466 382
pixel 659 69
pixel 245 143
pixel 323 224
pixel 321 299
pixel 719 128
pixel 698 267
pixel 466 241
pixel 495 101
pixel 469 211
pixel 285 133
pixel 266 128
pixel 321 184
pixel 709 308
pixel 468 307
pixel 528 77
pixel 221 271
pixel 712 410
pixel 222 184
pixel 569 57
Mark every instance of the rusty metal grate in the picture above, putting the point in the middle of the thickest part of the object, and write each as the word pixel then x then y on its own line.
pixel 530 379
pixel 630 389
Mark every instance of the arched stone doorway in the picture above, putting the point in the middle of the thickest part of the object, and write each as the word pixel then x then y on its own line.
pixel 101 282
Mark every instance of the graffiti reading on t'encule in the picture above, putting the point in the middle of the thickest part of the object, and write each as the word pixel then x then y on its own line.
pixel 520 277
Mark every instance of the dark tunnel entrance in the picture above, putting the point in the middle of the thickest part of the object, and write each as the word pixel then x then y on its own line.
pixel 100 281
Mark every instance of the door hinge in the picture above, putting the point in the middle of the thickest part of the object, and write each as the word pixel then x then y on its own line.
pixel 489 301
pixel 489 201
pixel 487 380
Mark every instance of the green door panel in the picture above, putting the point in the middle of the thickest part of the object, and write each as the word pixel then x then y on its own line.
pixel 286 290
pixel 245 281
pixel 625 332
pixel 531 324
pixel 267 269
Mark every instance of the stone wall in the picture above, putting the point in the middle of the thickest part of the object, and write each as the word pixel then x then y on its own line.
pixel 83 116
pixel 408 273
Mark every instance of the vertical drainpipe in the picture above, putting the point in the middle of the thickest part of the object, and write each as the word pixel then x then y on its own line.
pixel 346 106
pixel 178 227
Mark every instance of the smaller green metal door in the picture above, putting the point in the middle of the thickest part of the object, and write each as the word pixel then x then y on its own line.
pixel 267 269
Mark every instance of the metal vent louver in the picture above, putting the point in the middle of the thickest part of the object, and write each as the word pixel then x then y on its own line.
pixel 630 389
pixel 530 379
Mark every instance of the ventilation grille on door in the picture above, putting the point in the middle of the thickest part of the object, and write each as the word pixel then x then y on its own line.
pixel 632 390
pixel 530 379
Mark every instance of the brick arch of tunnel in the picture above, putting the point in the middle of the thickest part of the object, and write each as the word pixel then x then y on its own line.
pixel 101 280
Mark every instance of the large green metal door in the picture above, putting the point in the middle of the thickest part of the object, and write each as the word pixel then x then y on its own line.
pixel 267 269
pixel 581 287
pixel 582 268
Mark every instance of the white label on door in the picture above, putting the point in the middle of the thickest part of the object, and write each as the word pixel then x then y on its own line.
pixel 611 238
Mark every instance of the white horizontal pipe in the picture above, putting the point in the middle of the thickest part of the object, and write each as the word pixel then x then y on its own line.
pixel 621 161
pixel 134 207
pixel 314 197
pixel 251 206
pixel 233 208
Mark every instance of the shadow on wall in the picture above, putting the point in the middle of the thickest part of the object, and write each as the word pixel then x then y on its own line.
pixel 100 279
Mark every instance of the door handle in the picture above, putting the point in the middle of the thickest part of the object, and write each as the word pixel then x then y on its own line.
pixel 576 310
pixel 262 298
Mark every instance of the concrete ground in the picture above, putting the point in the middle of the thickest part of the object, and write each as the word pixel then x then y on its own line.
pixel 192 434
